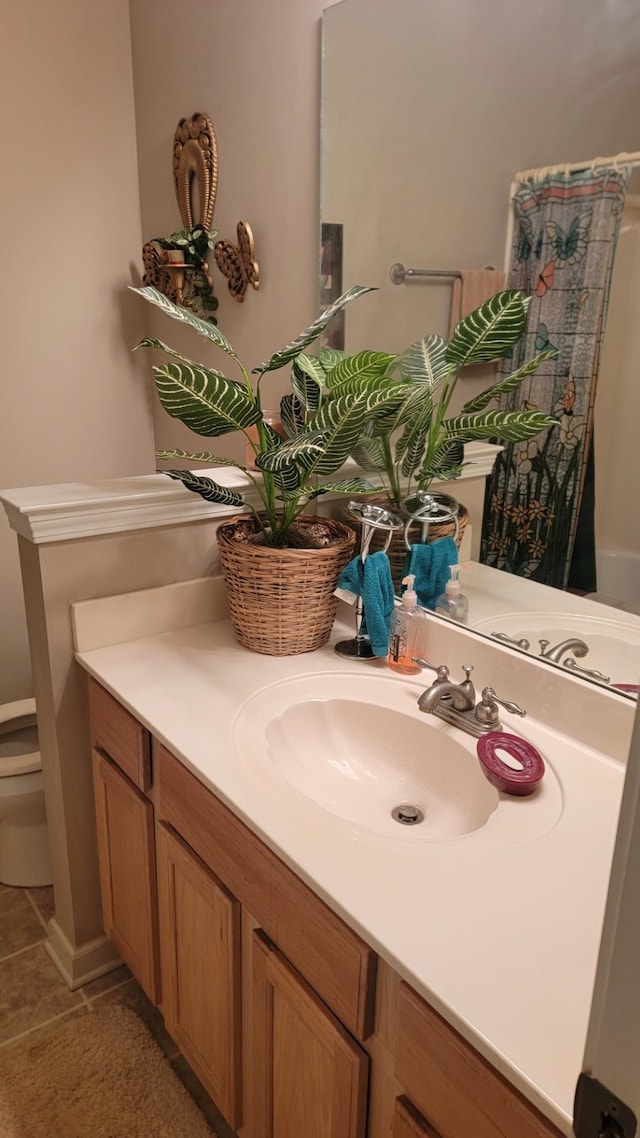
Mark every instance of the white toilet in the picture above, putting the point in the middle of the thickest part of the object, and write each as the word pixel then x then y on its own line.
pixel 24 842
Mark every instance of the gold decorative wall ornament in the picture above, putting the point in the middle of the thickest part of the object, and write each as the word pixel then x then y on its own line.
pixel 177 265
pixel 195 158
pixel 237 262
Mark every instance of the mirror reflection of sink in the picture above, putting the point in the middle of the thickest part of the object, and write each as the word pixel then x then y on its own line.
pixel 358 747
pixel 614 646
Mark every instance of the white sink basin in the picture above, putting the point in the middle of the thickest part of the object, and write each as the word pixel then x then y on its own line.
pixel 614 646
pixel 358 747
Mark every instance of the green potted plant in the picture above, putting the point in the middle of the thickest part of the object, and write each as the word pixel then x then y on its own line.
pixel 416 442
pixel 263 556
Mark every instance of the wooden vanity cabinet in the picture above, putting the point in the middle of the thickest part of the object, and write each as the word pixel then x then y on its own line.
pixel 308 980
pixel 459 1093
pixel 275 1002
pixel 309 1076
pixel 201 970
pixel 409 1123
pixel 125 836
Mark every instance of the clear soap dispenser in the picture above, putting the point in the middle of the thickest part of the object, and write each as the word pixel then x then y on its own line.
pixel 452 602
pixel 405 627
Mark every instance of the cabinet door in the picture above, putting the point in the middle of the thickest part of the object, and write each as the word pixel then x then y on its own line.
pixel 126 855
pixel 309 1075
pixel 201 974
pixel 409 1123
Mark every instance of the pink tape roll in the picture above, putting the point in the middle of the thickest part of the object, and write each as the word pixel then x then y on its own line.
pixel 499 773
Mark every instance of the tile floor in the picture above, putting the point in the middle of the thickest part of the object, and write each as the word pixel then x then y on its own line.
pixel 33 995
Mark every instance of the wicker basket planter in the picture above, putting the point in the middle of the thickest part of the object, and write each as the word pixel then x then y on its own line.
pixel 281 601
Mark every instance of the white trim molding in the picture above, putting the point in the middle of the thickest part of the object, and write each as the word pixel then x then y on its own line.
pixel 72 510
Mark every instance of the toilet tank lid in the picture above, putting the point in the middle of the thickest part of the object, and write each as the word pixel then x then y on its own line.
pixel 11 765
pixel 17 710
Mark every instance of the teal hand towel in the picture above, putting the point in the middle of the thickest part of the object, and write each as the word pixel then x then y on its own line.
pixel 429 562
pixel 372 581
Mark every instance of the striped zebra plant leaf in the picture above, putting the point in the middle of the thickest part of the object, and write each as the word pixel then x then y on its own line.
pixel 199 456
pixel 205 401
pixel 290 351
pixel 413 440
pixel 508 426
pixel 510 383
pixel 292 415
pixel 415 403
pixel 208 489
pixel 202 327
pixel 306 384
pixel 426 362
pixel 354 370
pixel 311 366
pixel 345 486
pixel 329 357
pixel 343 418
pixel 301 449
pixel 489 331
pixel 369 453
pixel 152 342
pixel 288 480
pixel 272 438
pixel 446 462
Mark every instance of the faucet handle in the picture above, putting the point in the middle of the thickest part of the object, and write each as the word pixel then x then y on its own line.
pixel 441 670
pixel 487 709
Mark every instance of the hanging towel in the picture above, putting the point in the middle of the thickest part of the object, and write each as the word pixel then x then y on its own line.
pixel 371 581
pixel 471 289
pixel 430 562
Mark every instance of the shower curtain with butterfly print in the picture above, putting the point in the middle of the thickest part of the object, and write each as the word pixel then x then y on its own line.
pixel 565 234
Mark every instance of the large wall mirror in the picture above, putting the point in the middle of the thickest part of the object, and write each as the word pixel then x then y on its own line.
pixel 429 108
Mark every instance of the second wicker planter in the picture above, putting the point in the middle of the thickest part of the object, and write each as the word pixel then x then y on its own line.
pixel 281 601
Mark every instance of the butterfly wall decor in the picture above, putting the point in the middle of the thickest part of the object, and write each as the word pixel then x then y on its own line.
pixel 237 262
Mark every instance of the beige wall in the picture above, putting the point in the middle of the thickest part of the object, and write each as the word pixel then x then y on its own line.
pixel 440 109
pixel 55 575
pixel 254 67
pixel 73 406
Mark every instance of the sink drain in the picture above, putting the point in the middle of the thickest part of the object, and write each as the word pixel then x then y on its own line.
pixel 407 815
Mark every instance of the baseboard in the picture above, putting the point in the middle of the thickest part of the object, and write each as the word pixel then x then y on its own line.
pixel 78 966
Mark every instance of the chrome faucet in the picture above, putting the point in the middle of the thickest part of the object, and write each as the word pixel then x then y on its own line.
pixel 578 647
pixel 461 696
pixel 456 703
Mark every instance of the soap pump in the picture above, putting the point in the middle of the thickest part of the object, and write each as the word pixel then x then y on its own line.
pixel 405 626
pixel 452 603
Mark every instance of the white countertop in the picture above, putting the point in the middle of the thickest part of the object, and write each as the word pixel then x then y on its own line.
pixel 502 941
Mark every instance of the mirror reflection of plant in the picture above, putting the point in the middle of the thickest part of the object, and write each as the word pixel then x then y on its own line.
pixel 333 398
pixel 417 442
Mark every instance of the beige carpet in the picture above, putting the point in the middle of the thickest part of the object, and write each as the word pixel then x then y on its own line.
pixel 100 1075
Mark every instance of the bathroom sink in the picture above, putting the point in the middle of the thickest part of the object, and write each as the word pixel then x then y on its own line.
pixel 614 646
pixel 358 747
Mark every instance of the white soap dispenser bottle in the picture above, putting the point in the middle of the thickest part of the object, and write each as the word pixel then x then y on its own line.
pixel 405 627
pixel 452 603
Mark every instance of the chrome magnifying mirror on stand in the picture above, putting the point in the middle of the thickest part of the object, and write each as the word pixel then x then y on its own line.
pixel 371 518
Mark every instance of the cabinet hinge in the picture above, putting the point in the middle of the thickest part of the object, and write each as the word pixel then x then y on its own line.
pixel 597 1113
